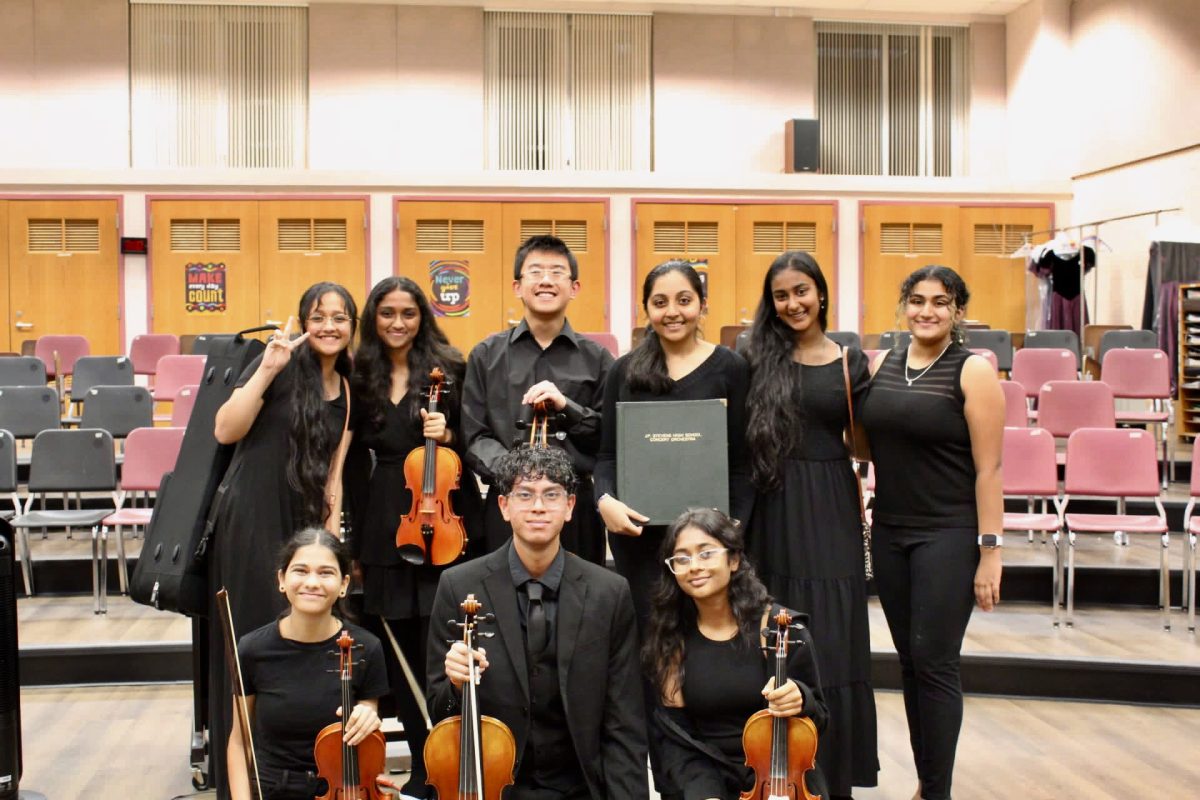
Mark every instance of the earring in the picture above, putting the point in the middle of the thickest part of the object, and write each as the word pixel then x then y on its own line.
pixel 283 590
pixel 343 594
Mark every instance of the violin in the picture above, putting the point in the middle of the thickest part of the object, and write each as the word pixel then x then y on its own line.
pixel 431 531
pixel 351 771
pixel 779 749
pixel 470 756
pixel 240 709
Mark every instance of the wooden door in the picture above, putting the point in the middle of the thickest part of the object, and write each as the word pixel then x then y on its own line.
pixel 701 233
pixel 63 266
pixel 302 242
pixel 989 236
pixel 453 250
pixel 765 231
pixel 10 338
pixel 203 266
pixel 897 240
pixel 583 227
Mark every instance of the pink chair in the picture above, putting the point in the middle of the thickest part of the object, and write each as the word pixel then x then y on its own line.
pixel 150 453
pixel 1031 471
pixel 147 348
pixel 1066 406
pixel 1119 463
pixel 990 355
pixel 1016 407
pixel 1138 374
pixel 1191 527
pixel 59 353
pixel 872 355
pixel 181 407
pixel 175 372
pixel 606 340
pixel 1033 367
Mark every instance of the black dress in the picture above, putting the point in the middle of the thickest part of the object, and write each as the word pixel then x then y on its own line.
pixel 254 512
pixel 805 540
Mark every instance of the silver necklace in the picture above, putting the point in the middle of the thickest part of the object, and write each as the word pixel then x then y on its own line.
pixel 929 367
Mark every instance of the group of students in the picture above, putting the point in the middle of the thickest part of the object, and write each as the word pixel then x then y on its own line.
pixel 595 670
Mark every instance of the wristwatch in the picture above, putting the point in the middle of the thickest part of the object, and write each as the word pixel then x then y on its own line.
pixel 990 541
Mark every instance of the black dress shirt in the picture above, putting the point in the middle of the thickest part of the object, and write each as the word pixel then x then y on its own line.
pixel 501 369
pixel 550 580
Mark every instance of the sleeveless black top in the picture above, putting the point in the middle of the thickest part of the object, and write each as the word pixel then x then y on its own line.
pixel 924 471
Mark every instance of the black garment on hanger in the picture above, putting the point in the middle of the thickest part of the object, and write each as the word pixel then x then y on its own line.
pixel 1177 262
pixel 1063 272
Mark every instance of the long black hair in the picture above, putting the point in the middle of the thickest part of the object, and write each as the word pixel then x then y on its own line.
pixel 951 281
pixel 647 367
pixel 673 613
pixel 776 417
pixel 312 439
pixel 372 380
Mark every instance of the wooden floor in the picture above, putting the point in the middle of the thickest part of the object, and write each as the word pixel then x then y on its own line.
pixel 131 742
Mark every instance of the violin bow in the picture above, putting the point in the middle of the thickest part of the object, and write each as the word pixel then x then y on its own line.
pixel 241 710
pixel 409 677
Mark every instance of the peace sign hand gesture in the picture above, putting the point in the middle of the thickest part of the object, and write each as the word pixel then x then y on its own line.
pixel 280 348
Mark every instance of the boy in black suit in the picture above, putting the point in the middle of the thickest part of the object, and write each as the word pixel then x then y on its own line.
pixel 562 670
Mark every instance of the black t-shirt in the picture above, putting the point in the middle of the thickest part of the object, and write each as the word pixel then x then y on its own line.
pixel 297 691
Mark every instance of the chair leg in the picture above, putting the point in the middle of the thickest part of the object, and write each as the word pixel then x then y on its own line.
pixel 1056 582
pixel 95 570
pixel 1164 586
pixel 122 563
pixel 1071 579
pixel 26 560
pixel 1029 510
pixel 103 569
pixel 1190 580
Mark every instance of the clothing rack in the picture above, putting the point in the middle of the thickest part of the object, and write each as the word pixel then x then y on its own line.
pixel 1095 226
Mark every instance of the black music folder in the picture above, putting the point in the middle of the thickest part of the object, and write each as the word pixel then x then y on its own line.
pixel 672 455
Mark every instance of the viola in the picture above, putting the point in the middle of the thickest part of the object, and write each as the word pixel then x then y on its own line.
pixel 542 414
pixel 470 756
pixel 431 531
pixel 351 771
pixel 779 749
pixel 240 709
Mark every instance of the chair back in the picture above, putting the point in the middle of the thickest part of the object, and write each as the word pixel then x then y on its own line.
pixel 606 340
pixel 147 348
pixel 1111 462
pixel 890 340
pixel 1058 340
pixel 1015 408
pixel 73 461
pixel 187 345
pixel 149 454
pixel 1029 466
pixel 742 341
pixel 1137 374
pixel 22 371
pixel 26 411
pixel 69 348
pixel 181 409
pixel 1037 367
pixel 1092 334
pixel 729 334
pixel 872 355
pixel 99 371
pixel 29 347
pixel 988 355
pixel 999 342
pixel 846 338
pixel 118 409
pixel 175 372
pixel 203 343
pixel 8 462
pixel 1137 339
pixel 1066 406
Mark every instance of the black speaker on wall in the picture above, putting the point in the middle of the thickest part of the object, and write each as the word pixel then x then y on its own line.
pixel 10 678
pixel 802 145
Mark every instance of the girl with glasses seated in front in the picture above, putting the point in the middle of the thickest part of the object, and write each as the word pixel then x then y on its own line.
pixel 705 659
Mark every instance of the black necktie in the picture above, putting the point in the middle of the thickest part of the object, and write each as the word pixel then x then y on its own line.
pixel 536 624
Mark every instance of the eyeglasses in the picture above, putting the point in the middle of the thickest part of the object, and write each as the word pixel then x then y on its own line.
pixel 554 274
pixel 680 564
pixel 336 319
pixel 551 498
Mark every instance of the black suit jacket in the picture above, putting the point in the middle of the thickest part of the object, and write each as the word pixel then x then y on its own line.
pixel 598 670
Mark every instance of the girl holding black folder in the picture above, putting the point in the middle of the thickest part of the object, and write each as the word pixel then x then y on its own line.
pixel 672 362
pixel 805 534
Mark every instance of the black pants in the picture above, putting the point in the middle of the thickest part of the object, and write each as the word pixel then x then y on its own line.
pixel 926 582
pixel 583 534
pixel 412 636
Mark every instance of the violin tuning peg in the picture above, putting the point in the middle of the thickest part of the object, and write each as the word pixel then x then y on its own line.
pixel 449 641
pixel 488 617
pixel 486 634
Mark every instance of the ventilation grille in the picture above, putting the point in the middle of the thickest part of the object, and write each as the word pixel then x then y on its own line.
pixel 573 232
pixel 1000 239
pixel 686 237
pixel 776 237
pixel 312 235
pixel 903 238
pixel 567 91
pixel 449 235
pixel 218 85
pixel 203 235
pixel 64 235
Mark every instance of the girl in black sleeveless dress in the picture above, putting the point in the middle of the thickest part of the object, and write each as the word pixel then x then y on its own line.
pixel 935 419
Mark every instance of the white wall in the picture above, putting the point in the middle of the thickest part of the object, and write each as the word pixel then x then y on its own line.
pixel 1041 92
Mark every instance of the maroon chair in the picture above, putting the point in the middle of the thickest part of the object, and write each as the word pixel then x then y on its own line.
pixel 1030 470
pixel 606 340
pixel 60 352
pixel 181 407
pixel 1016 408
pixel 1066 406
pixel 1033 368
pixel 1139 374
pixel 147 348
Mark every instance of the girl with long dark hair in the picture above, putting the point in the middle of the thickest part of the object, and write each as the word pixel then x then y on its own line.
pixel 704 655
pixel 805 533
pixel 289 667
pixel 935 419
pixel 287 417
pixel 400 342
